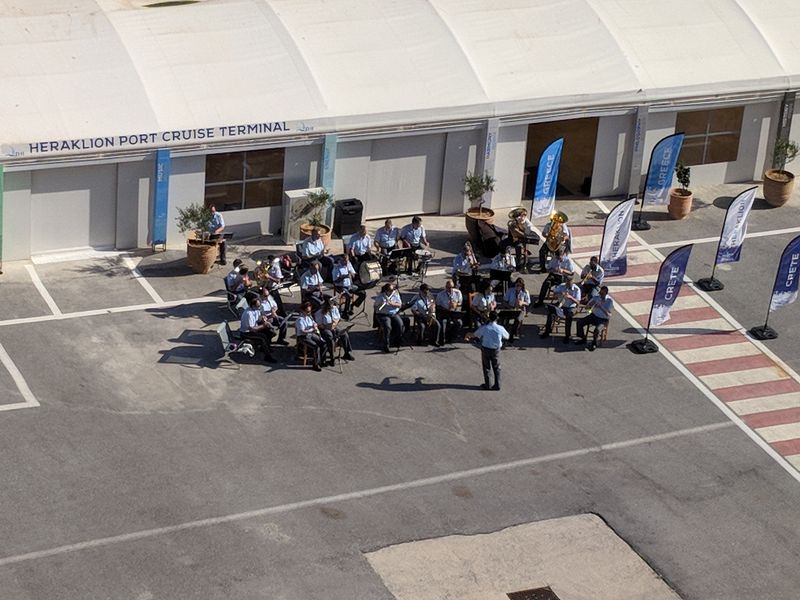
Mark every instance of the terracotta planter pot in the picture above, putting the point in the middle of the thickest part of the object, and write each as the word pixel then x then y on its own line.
pixel 471 218
pixel 201 256
pixel 324 232
pixel 680 203
pixel 778 187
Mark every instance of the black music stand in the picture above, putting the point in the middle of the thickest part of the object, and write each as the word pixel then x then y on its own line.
pixel 501 275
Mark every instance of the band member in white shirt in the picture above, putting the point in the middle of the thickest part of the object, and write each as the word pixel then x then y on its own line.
pixel 424 310
pixel 592 277
pixel 307 332
pixel 270 312
pixel 448 310
pixel 568 296
pixel 327 318
pixel 343 274
pixel 311 285
pixel 314 248
pixel 491 336
pixel 255 328
pixel 413 236
pixel 504 261
pixel 601 307
pixel 558 268
pixel 483 303
pixel 386 237
pixel 387 306
pixel 273 278
pixel 360 246
pixel 517 299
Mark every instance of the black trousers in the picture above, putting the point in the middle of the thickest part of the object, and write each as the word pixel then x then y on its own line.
pixel 551 316
pixel 490 360
pixel 432 330
pixel 551 280
pixel 588 321
pixel 392 326
pixel 315 344
pixel 262 339
pixel 451 323
pixel 512 321
pixel 330 337
pixel 220 246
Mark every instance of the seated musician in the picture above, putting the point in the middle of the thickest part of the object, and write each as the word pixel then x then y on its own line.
pixel 343 274
pixel 413 236
pixel 568 296
pixel 558 268
pixel 601 307
pixel 465 268
pixel 448 311
pixel 519 228
pixel 254 327
pixel 516 302
pixel 591 279
pixel 387 306
pixel 558 222
pixel 307 332
pixel 311 285
pixel 483 303
pixel 233 282
pixel 424 310
pixel 504 261
pixel 327 318
pixel 360 246
pixel 273 280
pixel 386 239
pixel 269 310
pixel 313 248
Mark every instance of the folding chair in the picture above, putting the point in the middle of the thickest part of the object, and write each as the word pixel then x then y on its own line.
pixel 231 342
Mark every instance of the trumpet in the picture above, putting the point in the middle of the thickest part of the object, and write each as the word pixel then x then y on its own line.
pixel 473 262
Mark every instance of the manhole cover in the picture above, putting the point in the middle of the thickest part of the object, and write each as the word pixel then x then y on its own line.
pixel 544 593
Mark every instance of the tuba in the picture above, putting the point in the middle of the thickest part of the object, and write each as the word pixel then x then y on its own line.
pixel 516 232
pixel 556 237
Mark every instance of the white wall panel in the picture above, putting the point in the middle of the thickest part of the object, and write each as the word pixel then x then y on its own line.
pixel 612 159
pixel 17 216
pixel 459 158
pixel 510 166
pixel 73 208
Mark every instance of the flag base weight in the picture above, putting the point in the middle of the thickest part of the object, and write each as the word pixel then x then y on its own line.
pixel 644 346
pixel 639 224
pixel 763 332
pixel 710 284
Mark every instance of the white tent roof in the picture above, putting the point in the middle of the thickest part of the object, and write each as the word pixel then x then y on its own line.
pixel 75 69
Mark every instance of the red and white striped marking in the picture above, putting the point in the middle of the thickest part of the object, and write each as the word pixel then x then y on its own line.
pixel 741 373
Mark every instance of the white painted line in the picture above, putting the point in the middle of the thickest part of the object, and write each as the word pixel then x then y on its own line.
pixel 22 385
pixel 360 494
pixel 106 311
pixel 42 290
pixel 794 473
pixel 778 433
pixel 140 278
pixel 746 377
pixel 753 406
pixel 723 351
pixel 73 255
pixel 682 302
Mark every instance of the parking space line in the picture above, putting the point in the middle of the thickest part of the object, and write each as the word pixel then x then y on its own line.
pixel 141 279
pixel 360 494
pixel 42 290
pixel 107 311
pixel 22 385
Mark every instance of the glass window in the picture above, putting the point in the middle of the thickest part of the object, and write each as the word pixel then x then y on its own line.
pixel 253 179
pixel 712 136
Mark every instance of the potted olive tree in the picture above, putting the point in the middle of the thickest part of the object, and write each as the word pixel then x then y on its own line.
pixel 475 187
pixel 680 198
pixel 193 221
pixel 318 201
pixel 778 182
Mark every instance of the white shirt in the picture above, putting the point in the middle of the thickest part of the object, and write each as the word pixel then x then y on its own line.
pixel 483 302
pixel 598 274
pixel 461 265
pixel 504 262
pixel 387 239
pixel 492 335
pixel 444 298
pixel 360 245
pixel 313 248
pixel 310 280
pixel 343 274
pixel 304 325
pixel 326 320
pixel 411 235
pixel 382 306
pixel 573 290
pixel 250 318
pixel 565 263
pixel 601 308
pixel 512 296
pixel 546 229
pixel 420 305
pixel 268 306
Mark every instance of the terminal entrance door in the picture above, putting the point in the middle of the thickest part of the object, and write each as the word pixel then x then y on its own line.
pixel 577 157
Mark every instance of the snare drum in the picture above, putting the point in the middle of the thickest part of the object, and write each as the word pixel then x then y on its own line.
pixel 423 255
pixel 369 272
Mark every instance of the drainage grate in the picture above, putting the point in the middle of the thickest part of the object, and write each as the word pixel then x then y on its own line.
pixel 544 593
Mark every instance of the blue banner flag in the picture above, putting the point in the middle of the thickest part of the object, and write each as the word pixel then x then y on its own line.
pixel 662 167
pixel 668 286
pixel 734 229
pixel 161 199
pixel 544 195
pixel 784 291
pixel 616 231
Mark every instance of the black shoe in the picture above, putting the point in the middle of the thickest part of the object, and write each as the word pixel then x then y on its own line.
pixel 269 359
pixel 332 362
pixel 484 386
pixel 317 368
pixel 496 388
pixel 592 346
pixel 385 350
pixel 538 304
pixel 282 343
pixel 567 340
pixel 544 334
pixel 349 357
pixel 580 341
pixel 223 262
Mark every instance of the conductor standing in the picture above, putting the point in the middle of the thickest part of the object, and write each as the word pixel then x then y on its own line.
pixel 491 336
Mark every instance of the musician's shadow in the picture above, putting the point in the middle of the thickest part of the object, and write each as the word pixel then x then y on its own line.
pixel 417 385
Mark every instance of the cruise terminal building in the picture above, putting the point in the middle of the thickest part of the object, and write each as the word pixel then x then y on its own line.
pixel 390 101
